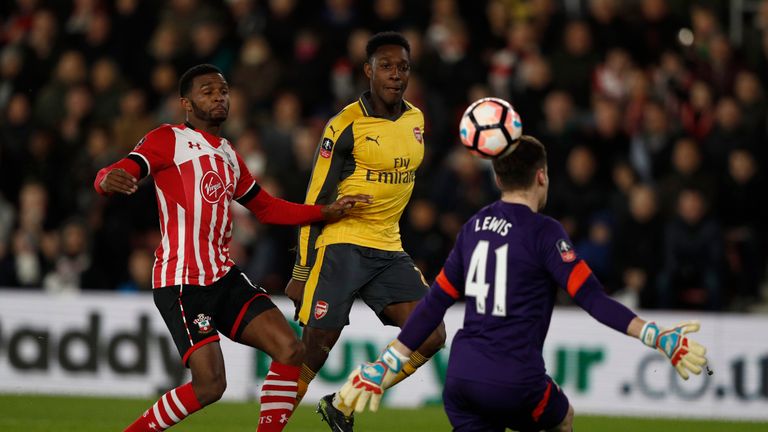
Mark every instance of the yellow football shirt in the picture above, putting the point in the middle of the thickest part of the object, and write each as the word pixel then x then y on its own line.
pixel 361 153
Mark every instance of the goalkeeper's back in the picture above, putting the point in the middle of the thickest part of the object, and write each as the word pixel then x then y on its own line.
pixel 505 254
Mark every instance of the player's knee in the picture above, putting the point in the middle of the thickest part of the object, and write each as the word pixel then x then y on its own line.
pixel 292 353
pixel 210 389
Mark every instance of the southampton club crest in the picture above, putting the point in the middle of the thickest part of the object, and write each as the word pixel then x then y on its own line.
pixel 203 323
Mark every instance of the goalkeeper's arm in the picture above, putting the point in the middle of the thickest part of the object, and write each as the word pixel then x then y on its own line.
pixel 685 354
pixel 368 382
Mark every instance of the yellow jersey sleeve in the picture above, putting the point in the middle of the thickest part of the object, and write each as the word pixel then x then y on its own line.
pixel 332 160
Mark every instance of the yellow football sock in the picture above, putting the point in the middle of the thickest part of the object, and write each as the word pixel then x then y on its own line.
pixel 305 377
pixel 414 362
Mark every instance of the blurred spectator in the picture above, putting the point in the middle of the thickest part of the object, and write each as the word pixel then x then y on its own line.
pixel 133 122
pixel 256 60
pixel 72 266
pixel 15 130
pixel 249 146
pixel 728 133
pixel 42 48
pixel 651 147
pixel 697 114
pixel 687 171
pixel 472 186
pixel 277 139
pixel 607 26
pixel 624 180
pixel 744 217
pixel 718 68
pixel 579 196
pixel 140 266
pixel 653 31
pixel 750 96
pixel 596 248
pixel 422 237
pixel 388 14
pixel 558 131
pixel 70 71
pixel 612 77
pixel 11 65
pixel 239 117
pixel 209 46
pixel 573 65
pixel 672 80
pixel 606 138
pixel 639 239
pixel 531 86
pixel 107 89
pixel 691 276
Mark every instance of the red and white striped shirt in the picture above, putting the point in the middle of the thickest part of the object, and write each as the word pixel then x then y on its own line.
pixel 197 176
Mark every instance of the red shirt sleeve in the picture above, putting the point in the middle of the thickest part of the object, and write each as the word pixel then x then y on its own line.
pixel 152 153
pixel 271 210
pixel 155 151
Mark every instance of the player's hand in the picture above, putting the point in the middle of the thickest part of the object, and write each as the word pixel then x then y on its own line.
pixel 341 206
pixel 295 291
pixel 684 353
pixel 368 382
pixel 118 180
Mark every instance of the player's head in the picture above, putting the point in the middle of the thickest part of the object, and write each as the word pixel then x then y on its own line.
pixel 524 170
pixel 205 93
pixel 388 66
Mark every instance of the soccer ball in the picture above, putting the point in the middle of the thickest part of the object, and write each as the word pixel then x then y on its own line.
pixel 490 128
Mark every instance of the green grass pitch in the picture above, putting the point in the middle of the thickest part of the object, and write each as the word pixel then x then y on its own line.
pixel 49 413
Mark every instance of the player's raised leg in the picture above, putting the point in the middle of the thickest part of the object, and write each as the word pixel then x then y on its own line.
pixel 207 386
pixel 270 332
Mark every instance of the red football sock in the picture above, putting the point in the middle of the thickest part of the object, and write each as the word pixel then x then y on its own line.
pixel 170 409
pixel 278 397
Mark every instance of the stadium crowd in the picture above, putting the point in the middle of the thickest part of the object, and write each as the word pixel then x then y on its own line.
pixel 654 120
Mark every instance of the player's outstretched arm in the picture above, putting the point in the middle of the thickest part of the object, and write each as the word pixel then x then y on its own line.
pixel 368 382
pixel 685 354
pixel 120 177
pixel 272 210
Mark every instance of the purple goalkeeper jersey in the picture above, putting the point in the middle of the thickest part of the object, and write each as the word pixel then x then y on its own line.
pixel 507 263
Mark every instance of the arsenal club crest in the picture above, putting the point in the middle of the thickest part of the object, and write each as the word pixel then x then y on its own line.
pixel 417 134
pixel 321 308
pixel 203 323
pixel 567 254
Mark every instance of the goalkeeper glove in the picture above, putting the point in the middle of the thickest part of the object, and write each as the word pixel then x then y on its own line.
pixel 685 354
pixel 367 382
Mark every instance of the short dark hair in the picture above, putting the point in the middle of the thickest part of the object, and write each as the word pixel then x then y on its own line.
pixel 185 82
pixel 385 38
pixel 517 170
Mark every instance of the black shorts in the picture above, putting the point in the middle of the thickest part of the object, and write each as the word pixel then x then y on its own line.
pixel 196 314
pixel 345 271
